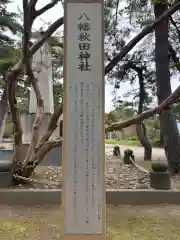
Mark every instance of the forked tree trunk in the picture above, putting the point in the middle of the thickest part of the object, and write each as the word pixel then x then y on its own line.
pixel 168 124
pixel 142 136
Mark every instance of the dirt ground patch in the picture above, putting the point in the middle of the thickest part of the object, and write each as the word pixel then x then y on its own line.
pixel 123 223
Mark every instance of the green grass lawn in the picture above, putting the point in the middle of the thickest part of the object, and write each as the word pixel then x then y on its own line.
pixel 122 142
pixel 123 223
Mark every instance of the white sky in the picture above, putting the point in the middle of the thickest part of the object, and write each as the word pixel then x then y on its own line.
pixel 57 12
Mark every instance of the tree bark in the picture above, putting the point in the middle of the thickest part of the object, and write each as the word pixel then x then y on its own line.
pixel 61 128
pixel 168 124
pixel 3 111
pixel 142 136
pixel 161 141
pixel 140 127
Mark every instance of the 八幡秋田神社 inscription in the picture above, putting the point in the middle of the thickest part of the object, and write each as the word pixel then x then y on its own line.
pixel 84 42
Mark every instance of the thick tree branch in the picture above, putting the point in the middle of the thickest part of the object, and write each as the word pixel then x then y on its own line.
pixel 39 114
pixel 36 13
pixel 44 139
pixel 11 79
pixel 46 35
pixel 46 7
pixel 38 157
pixel 11 91
pixel 52 125
pixel 32 80
pixel 13 102
pixel 17 130
pixel 149 28
pixel 15 71
pixel 147 114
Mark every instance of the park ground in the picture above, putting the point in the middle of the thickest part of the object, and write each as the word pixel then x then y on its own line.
pixel 123 223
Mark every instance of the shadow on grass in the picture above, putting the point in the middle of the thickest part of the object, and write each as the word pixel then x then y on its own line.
pixel 47 224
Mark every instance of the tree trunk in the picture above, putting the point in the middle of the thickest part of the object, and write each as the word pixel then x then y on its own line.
pixel 142 136
pixel 140 127
pixel 168 124
pixel 161 141
pixel 61 128
pixel 3 112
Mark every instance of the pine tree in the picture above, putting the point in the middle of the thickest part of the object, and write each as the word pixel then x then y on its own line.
pixel 8 21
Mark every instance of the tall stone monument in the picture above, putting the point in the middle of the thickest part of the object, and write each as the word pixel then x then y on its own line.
pixel 42 68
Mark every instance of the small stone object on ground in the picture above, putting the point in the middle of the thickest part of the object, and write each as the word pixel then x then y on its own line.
pixel 159 167
pixel 6 173
pixel 160 177
pixel 129 156
pixel 116 151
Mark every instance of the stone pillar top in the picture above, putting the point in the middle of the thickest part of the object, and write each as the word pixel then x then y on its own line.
pixel 42 68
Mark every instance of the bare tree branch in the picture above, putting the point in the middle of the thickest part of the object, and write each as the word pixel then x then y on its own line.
pixel 52 125
pixel 15 71
pixel 11 80
pixel 13 103
pixel 146 114
pixel 46 35
pixel 38 157
pixel 46 7
pixel 11 91
pixel 27 55
pixel 140 36
pixel 32 79
pixel 17 129
pixel 28 18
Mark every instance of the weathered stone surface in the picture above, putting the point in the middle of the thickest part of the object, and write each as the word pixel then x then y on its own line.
pixel 6 179
pixel 128 157
pixel 6 175
pixel 159 167
pixel 116 151
pixel 160 180
pixel 6 166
